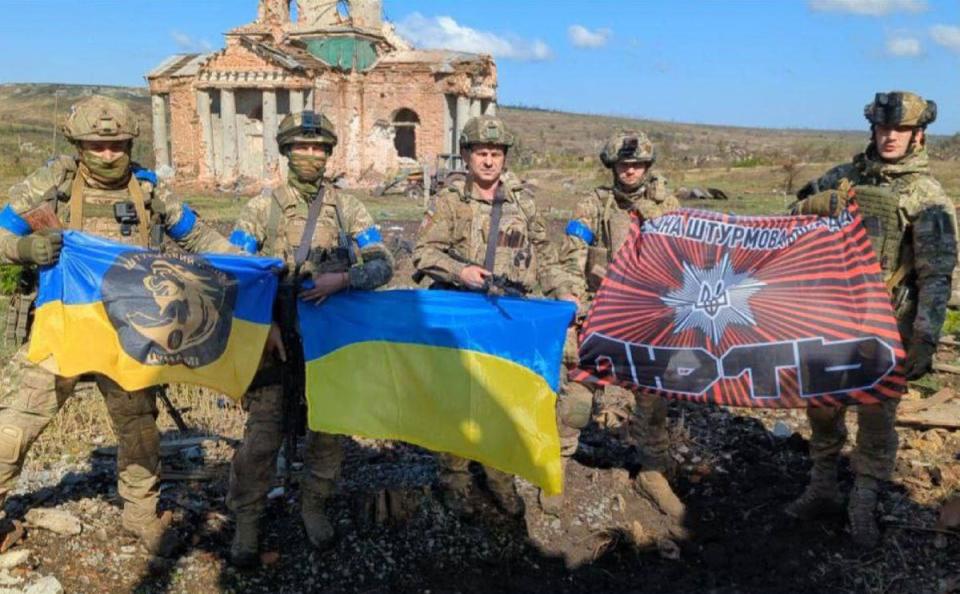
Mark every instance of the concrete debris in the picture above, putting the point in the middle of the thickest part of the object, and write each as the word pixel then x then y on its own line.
pixel 46 585
pixel 14 558
pixel 54 520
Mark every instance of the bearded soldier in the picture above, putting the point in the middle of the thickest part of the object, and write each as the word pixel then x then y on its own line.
pixel 333 242
pixel 912 226
pixel 483 226
pixel 83 192
pixel 600 226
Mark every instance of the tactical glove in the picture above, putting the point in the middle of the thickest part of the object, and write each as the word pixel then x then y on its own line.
pixel 826 204
pixel 919 359
pixel 809 189
pixel 41 248
pixel 158 211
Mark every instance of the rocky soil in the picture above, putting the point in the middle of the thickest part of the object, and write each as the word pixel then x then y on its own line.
pixel 736 472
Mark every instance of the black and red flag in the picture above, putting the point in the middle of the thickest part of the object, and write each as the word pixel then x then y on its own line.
pixel 776 312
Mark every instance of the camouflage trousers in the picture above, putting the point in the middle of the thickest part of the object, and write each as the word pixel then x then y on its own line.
pixel 875 454
pixel 30 398
pixel 253 471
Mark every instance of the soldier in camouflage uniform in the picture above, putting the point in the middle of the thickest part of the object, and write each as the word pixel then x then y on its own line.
pixel 601 224
pixel 452 248
pixel 912 226
pixel 81 191
pixel 276 225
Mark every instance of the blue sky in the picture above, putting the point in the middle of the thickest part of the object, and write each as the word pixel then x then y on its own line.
pixel 784 63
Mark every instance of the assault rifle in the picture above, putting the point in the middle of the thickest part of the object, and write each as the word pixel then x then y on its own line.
pixel 495 284
pixel 292 372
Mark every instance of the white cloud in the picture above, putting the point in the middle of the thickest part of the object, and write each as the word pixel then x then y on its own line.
pixel 188 44
pixel 946 35
pixel 904 47
pixel 443 32
pixel 580 36
pixel 869 7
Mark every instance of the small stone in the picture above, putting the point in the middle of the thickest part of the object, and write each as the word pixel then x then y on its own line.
pixel 47 585
pixel 54 520
pixel 781 430
pixel 12 559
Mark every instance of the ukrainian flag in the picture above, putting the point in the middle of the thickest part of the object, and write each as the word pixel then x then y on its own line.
pixel 145 318
pixel 457 372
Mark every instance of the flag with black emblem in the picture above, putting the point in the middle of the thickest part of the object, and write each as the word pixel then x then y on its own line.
pixel 145 318
pixel 746 311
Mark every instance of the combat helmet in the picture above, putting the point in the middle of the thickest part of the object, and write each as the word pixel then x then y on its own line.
pixel 305 126
pixel 627 147
pixel 101 118
pixel 486 130
pixel 900 108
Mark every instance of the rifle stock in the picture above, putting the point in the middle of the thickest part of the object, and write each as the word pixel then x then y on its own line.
pixel 292 372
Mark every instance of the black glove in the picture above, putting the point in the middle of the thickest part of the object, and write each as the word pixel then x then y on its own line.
pixel 809 189
pixel 919 359
pixel 41 248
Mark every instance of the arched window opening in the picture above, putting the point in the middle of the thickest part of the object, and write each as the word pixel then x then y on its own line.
pixel 405 123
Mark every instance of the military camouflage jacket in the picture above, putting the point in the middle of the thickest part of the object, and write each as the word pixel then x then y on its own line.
pixel 53 184
pixel 928 228
pixel 601 224
pixel 454 235
pixel 272 225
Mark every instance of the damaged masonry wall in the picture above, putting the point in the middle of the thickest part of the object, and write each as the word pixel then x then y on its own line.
pixel 215 115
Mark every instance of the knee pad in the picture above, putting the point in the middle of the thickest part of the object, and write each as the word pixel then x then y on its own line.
pixel 11 441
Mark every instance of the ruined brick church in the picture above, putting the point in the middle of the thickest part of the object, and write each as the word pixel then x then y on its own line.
pixel 215 115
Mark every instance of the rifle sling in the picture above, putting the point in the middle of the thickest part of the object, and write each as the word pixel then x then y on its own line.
pixel 493 236
pixel 313 213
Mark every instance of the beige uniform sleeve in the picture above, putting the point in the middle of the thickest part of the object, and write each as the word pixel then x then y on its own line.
pixel 580 233
pixel 375 267
pixel 185 227
pixel 44 184
pixel 554 280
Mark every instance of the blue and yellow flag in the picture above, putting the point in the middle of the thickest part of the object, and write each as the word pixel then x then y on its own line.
pixel 450 371
pixel 144 318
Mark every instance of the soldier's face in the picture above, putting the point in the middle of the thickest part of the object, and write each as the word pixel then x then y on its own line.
pixel 309 149
pixel 893 142
pixel 485 162
pixel 108 150
pixel 631 173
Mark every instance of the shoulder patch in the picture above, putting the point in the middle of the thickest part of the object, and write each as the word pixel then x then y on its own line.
pixel 146 175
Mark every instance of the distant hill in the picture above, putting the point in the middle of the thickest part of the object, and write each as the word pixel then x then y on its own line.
pixel 29 111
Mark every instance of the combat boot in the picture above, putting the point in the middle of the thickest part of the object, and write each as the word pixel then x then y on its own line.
pixel 821 497
pixel 504 491
pixel 653 485
pixel 155 533
pixel 862 511
pixel 457 490
pixel 245 547
pixel 312 510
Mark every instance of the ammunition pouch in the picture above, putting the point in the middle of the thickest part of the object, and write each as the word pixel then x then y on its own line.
pixel 20 310
pixel 598 258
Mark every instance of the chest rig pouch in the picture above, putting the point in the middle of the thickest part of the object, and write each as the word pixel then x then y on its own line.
pixel 885 224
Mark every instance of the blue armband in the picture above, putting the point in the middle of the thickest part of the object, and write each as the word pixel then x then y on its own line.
pixel 13 222
pixel 367 236
pixel 188 220
pixel 145 175
pixel 244 241
pixel 577 229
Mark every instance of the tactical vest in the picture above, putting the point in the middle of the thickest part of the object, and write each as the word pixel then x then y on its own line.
pixel 330 245
pixel 515 258
pixel 885 225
